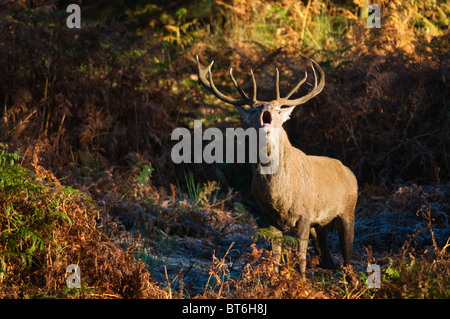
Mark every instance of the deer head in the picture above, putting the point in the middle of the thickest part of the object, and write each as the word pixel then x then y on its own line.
pixel 262 114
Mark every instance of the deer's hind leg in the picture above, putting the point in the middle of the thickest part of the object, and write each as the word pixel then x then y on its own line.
pixel 345 227
pixel 319 238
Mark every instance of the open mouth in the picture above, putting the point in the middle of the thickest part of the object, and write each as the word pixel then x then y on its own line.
pixel 266 119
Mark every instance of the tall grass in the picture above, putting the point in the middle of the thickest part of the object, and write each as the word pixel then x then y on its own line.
pixel 321 27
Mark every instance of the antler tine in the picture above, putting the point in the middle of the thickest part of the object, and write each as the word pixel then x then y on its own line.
pixel 316 90
pixel 237 86
pixel 254 87
pixel 277 85
pixel 208 84
pixel 296 87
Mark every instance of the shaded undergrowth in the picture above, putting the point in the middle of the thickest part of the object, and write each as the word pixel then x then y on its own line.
pixel 45 227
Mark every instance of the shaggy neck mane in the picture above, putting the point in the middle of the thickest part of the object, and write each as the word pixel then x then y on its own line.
pixel 279 150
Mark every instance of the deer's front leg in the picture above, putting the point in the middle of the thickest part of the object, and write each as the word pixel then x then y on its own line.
pixel 303 230
pixel 276 248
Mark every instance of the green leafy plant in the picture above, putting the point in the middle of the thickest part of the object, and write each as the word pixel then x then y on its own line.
pixel 30 211
pixel 193 188
pixel 181 32
pixel 270 236
pixel 7 158
pixel 146 173
pixel 202 195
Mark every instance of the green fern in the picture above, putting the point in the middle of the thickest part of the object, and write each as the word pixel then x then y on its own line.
pixel 7 158
pixel 180 33
pixel 272 237
pixel 146 173
pixel 31 210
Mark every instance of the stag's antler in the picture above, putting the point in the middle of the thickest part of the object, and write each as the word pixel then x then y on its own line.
pixel 208 83
pixel 316 89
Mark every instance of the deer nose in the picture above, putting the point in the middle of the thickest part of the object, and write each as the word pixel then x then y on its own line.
pixel 267 107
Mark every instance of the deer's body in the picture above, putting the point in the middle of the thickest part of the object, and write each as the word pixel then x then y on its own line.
pixel 306 194
pixel 304 186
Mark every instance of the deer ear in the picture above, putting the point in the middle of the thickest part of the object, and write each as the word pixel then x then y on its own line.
pixel 286 113
pixel 245 114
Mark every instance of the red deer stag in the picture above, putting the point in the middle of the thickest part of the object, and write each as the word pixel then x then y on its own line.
pixel 308 194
